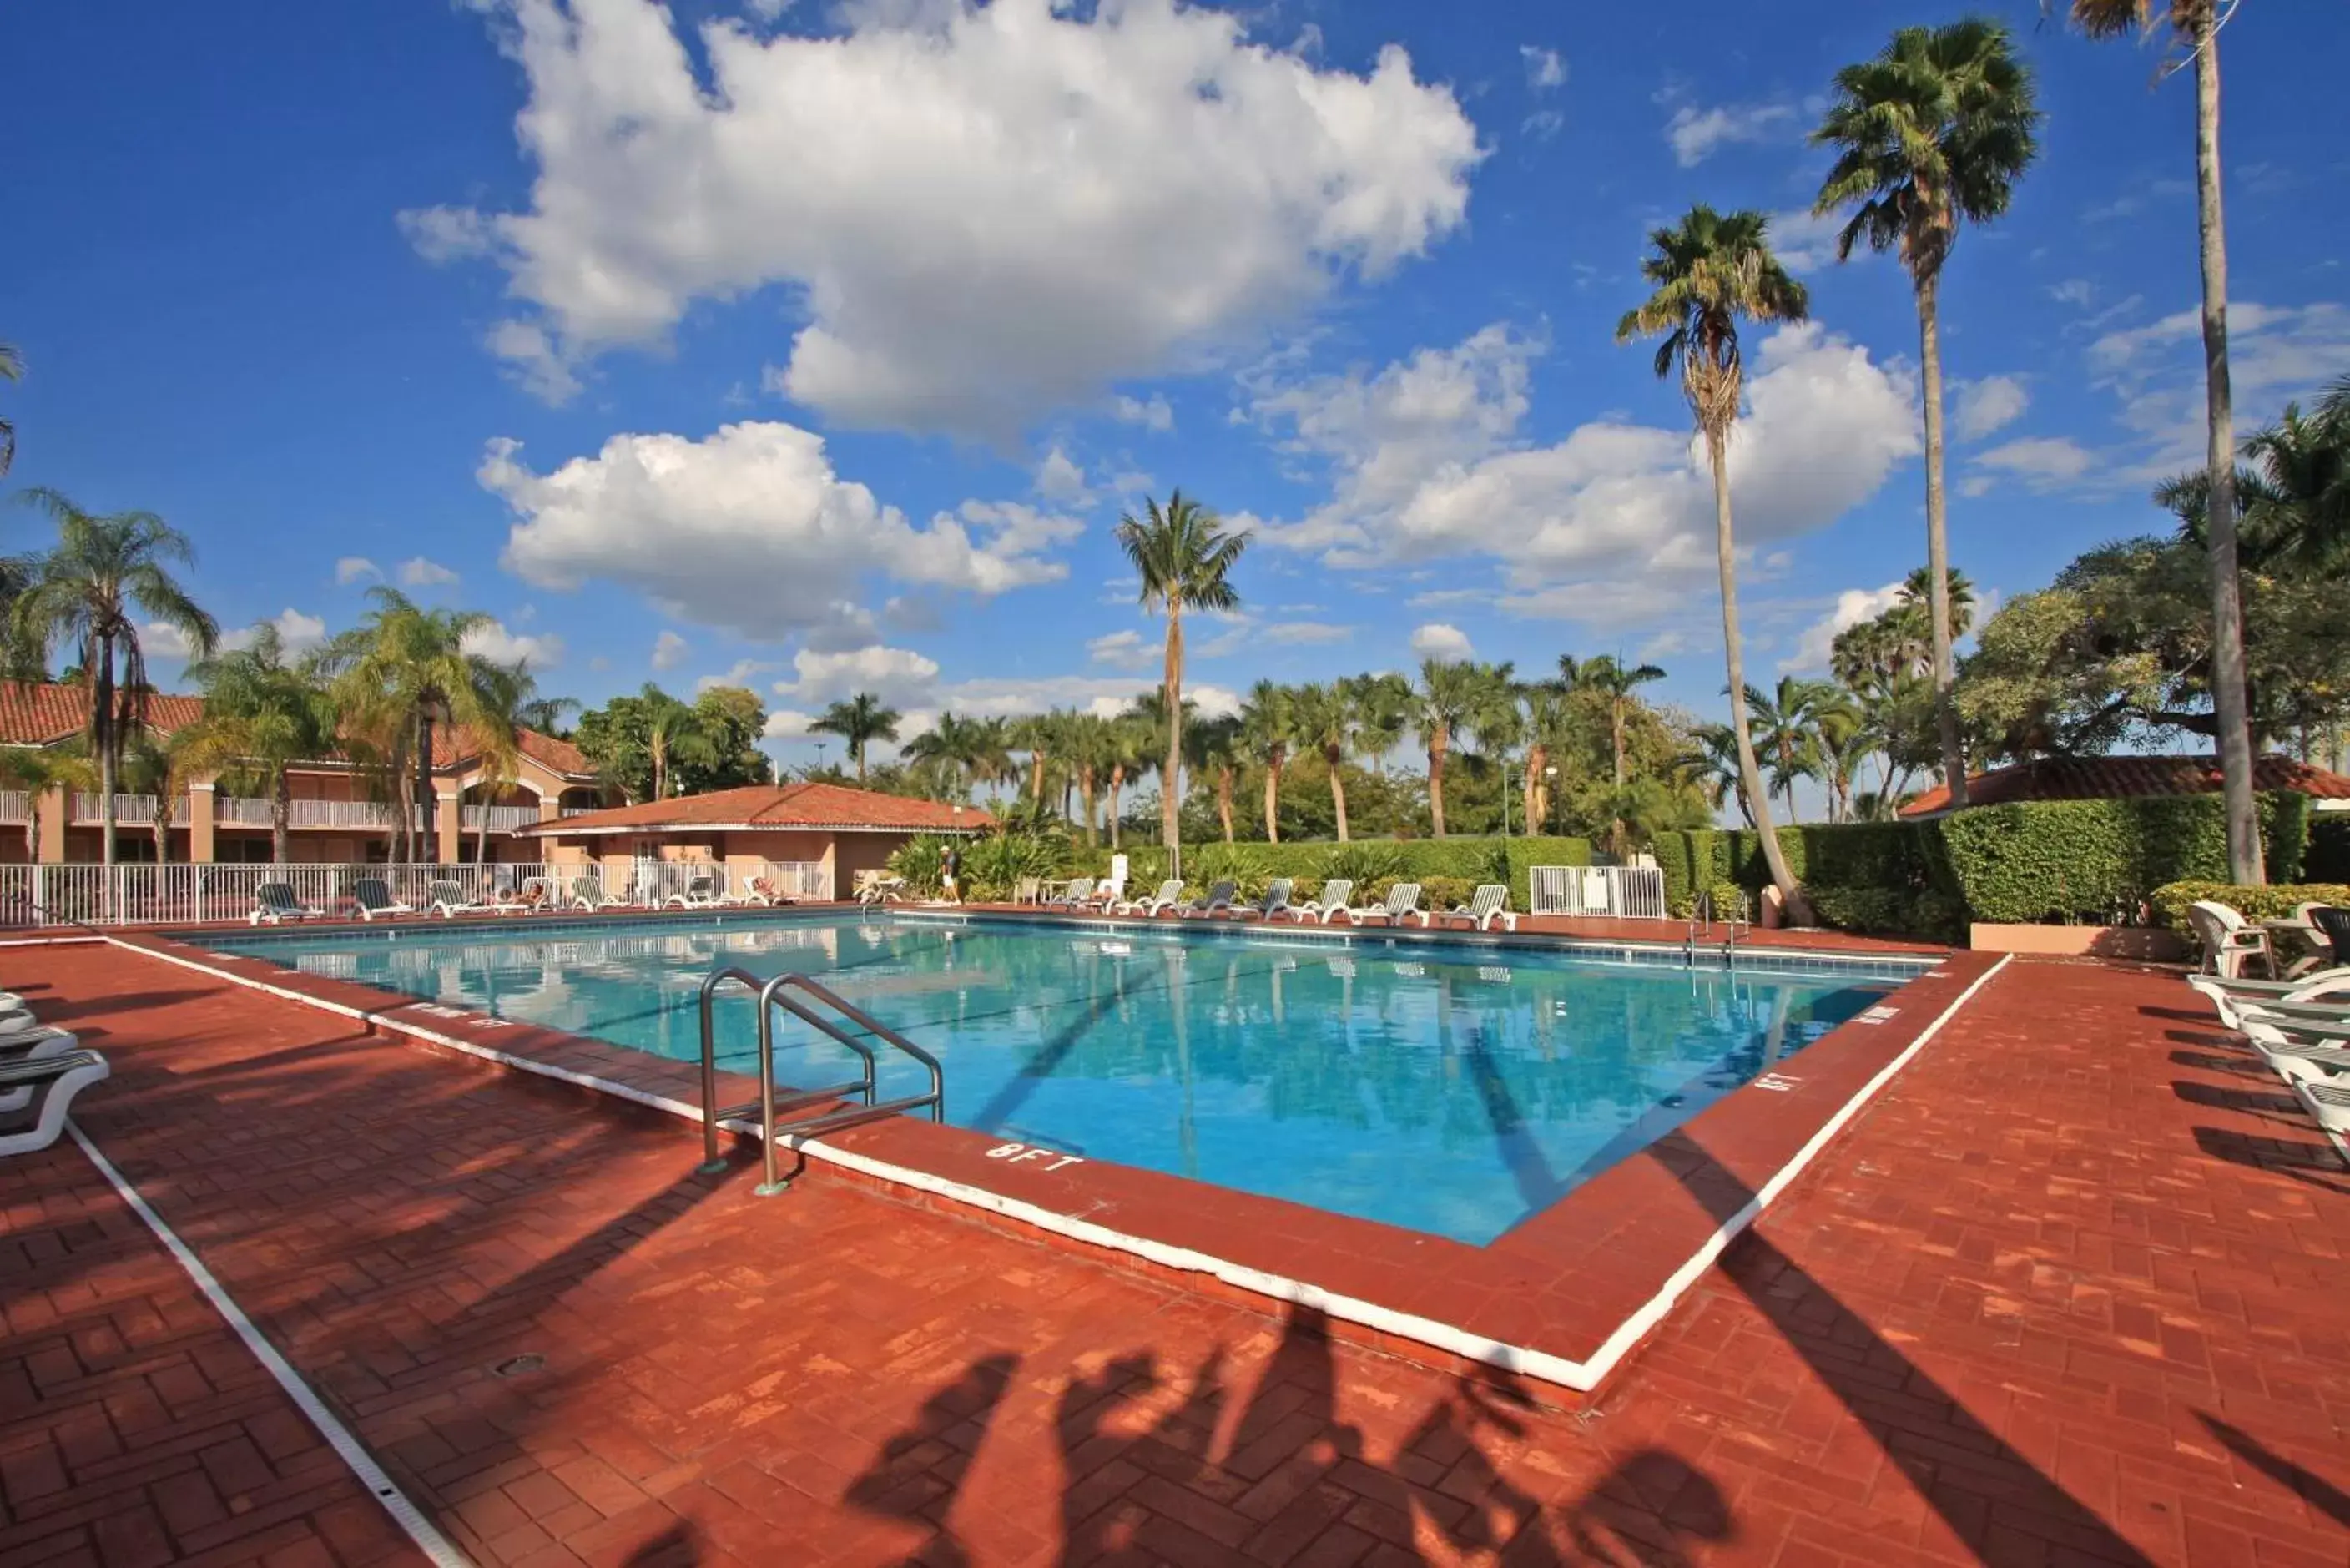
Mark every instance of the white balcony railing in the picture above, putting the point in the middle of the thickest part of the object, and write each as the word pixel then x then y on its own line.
pixel 129 810
pixel 16 805
pixel 240 811
pixel 499 819
pixel 365 813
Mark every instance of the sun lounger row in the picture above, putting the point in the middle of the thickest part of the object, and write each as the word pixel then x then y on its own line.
pixel 2300 1024
pixel 42 1068
pixel 1485 910
pixel 275 903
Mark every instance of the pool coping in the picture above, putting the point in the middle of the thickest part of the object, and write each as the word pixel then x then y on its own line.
pixel 1565 1296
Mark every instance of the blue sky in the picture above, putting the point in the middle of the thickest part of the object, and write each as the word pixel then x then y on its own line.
pixel 822 348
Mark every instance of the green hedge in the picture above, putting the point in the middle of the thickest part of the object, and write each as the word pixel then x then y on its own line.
pixel 2274 902
pixel 2085 860
pixel 2327 858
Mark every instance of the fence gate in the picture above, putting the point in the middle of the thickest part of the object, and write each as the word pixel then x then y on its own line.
pixel 1631 892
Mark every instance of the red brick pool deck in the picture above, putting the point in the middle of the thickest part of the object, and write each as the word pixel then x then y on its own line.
pixel 2072 1290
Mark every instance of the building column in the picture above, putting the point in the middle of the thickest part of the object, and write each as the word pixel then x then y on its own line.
pixel 200 822
pixel 57 810
pixel 448 828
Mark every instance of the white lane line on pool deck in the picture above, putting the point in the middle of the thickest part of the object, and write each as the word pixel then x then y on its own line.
pixel 1633 1329
pixel 1581 1376
pixel 396 1502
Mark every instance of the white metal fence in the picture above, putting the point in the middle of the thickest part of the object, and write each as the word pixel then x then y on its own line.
pixel 33 897
pixel 1633 892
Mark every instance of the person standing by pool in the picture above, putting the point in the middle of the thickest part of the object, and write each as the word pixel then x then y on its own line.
pixel 950 873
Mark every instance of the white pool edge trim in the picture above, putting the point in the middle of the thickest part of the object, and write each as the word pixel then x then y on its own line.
pixel 354 1454
pixel 1581 1376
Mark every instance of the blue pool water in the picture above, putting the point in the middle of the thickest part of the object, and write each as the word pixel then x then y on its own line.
pixel 1454 1091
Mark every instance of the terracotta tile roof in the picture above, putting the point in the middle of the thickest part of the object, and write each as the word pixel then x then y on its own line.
pixel 2125 778
pixel 42 713
pixel 816 806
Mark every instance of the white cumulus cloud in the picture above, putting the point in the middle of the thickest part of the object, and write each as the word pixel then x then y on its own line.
pixel 1815 648
pixel 970 203
pixel 2042 462
pixel 1155 415
pixel 1696 134
pixel 1435 639
pixel 1545 67
pixel 750 529
pixel 417 572
pixel 1126 648
pixel 670 650
pixel 897 676
pixel 352 569
pixel 297 632
pixel 1990 404
pixel 501 645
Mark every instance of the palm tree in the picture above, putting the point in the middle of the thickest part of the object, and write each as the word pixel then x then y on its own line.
pixel 1033 733
pixel 863 718
pixel 2293 494
pixel 1268 729
pixel 1710 272
pixel 1448 692
pixel 1842 739
pixel 403 674
pixel 957 754
pixel 1935 129
pixel 1326 721
pixel 1545 720
pixel 12 369
pixel 675 731
pixel 1125 747
pixel 1185 560
pixel 547 715
pixel 262 715
pixel 83 592
pixel 1786 722
pixel 1213 746
pixel 2196 24
pixel 1713 766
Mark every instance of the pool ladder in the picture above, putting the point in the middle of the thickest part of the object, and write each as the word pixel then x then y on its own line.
pixel 774 996
pixel 1737 918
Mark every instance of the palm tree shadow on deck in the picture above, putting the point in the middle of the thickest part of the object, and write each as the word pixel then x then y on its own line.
pixel 1853 1361
pixel 1287 1473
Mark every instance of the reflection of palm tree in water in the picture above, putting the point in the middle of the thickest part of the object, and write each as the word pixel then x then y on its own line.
pixel 1187 1135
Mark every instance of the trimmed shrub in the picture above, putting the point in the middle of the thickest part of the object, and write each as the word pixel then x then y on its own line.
pixel 921 860
pixel 2284 836
pixel 1374 864
pixel 1524 854
pixel 1438 894
pixel 2274 902
pixel 2090 860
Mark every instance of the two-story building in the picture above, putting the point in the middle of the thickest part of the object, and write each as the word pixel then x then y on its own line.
pixel 339 815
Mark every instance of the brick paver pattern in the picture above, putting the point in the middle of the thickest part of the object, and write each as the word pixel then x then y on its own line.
pixel 2072 1291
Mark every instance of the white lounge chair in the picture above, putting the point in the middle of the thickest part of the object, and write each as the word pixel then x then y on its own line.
pixel 1107 893
pixel 1336 892
pixel 373 897
pixel 880 887
pixel 2329 989
pixel 1080 890
pixel 35 1044
pixel 1169 894
pixel 701 893
pixel 53 1082
pixel 2326 1097
pixel 587 893
pixel 1403 902
pixel 273 902
pixel 1274 902
pixel 1218 897
pixel 768 893
pixel 447 900
pixel 2229 941
pixel 1484 907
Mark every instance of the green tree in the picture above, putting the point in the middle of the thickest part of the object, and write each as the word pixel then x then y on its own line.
pixel 1711 272
pixel 957 754
pixel 1213 747
pixel 1268 731
pixel 1184 557
pixel 404 674
pixel 37 771
pixel 860 720
pixel 82 592
pixel 2195 25
pixel 262 714
pixel 1711 764
pixel 1934 130
pixel 1786 721
pixel 675 732
pixel 1448 693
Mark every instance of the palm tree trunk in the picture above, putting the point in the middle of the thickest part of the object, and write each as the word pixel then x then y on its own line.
pixel 2228 695
pixel 1437 739
pixel 281 818
pixel 1170 778
pixel 1224 798
pixel 427 842
pixel 1938 541
pixel 102 731
pixel 1036 777
pixel 1086 799
pixel 1117 782
pixel 1537 759
pixel 1338 788
pixel 1273 799
pixel 860 750
pixel 1749 776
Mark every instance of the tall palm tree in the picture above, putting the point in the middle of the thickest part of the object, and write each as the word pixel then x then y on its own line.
pixel 547 715
pixel 1447 694
pixel 83 592
pixel 1126 746
pixel 1213 747
pixel 12 369
pixel 2196 26
pixel 262 715
pixel 1712 764
pixel 1619 683
pixel 1786 725
pixel 2293 494
pixel 1326 721
pixel 676 732
pixel 37 771
pixel 861 720
pixel 1268 729
pixel 403 675
pixel 1033 733
pixel 1842 738
pixel 1544 725
pixel 1184 557
pixel 958 754
pixel 1711 272
pixel 1936 128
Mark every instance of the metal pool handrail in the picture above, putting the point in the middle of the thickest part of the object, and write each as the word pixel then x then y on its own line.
pixel 771 997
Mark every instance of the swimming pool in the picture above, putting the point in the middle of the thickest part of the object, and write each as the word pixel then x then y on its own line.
pixel 1446 1088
